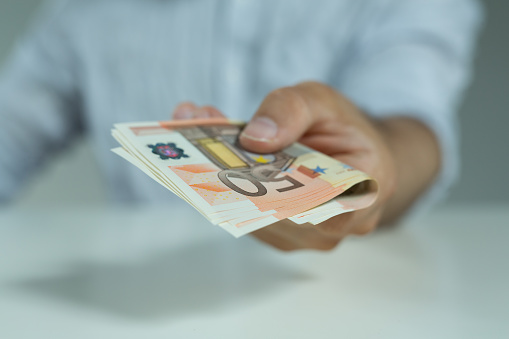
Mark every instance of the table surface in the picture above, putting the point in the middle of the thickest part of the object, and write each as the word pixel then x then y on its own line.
pixel 97 272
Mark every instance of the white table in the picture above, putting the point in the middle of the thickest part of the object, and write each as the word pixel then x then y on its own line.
pixel 90 272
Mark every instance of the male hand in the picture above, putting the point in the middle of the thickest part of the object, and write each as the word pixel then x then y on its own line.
pixel 321 118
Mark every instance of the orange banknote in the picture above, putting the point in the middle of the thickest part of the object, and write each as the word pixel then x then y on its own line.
pixel 202 162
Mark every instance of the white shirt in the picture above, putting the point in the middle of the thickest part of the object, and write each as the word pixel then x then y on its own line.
pixel 87 64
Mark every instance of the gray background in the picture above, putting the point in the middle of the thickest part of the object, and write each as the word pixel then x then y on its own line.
pixel 74 177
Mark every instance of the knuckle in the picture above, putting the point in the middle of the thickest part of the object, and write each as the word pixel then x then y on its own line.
pixel 286 249
pixel 209 107
pixel 318 243
pixel 317 86
pixel 330 228
pixel 327 245
pixel 279 93
pixel 321 87
pixel 283 246
pixel 291 98
pixel 362 231
pixel 311 83
pixel 365 228
pixel 335 226
pixel 321 242
pixel 212 110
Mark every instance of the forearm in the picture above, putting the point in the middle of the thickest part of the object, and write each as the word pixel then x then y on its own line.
pixel 416 156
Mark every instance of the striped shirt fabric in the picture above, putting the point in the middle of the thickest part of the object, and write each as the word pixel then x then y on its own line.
pixel 87 64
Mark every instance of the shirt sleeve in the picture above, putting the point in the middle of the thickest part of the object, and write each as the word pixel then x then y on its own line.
pixel 413 58
pixel 38 99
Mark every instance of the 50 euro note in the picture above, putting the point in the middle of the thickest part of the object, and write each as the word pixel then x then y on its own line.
pixel 202 162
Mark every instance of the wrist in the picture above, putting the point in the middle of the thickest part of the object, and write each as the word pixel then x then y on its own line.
pixel 416 155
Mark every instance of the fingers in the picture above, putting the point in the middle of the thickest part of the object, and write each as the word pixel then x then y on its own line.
pixel 283 117
pixel 206 112
pixel 184 111
pixel 359 222
pixel 287 236
pixel 188 110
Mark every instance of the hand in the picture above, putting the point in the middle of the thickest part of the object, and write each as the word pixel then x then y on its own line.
pixel 321 118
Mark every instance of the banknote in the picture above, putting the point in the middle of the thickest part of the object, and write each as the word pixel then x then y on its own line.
pixel 202 162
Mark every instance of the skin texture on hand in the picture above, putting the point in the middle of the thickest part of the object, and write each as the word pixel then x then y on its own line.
pixel 318 116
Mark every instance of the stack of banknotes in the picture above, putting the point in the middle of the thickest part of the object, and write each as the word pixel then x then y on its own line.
pixel 202 162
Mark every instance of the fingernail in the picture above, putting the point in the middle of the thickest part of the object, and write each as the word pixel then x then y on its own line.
pixel 183 113
pixel 261 129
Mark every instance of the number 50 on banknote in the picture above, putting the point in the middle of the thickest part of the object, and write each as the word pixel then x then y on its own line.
pixel 202 162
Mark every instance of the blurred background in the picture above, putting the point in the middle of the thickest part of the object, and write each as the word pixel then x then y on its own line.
pixel 74 176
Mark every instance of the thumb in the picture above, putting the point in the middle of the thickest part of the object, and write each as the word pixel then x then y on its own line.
pixel 282 119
